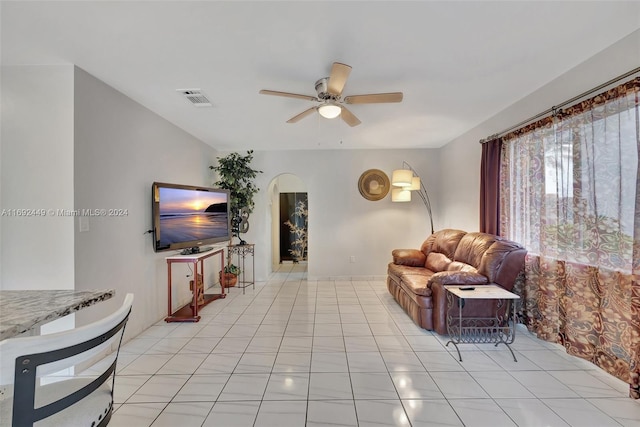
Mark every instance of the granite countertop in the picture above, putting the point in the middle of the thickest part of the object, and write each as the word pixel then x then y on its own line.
pixel 21 311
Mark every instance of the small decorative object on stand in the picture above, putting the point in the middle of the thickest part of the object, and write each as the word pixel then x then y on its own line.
pixel 229 275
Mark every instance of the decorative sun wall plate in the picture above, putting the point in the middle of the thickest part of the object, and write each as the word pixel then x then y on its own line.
pixel 373 184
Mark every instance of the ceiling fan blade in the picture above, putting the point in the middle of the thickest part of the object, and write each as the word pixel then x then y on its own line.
pixel 338 78
pixel 349 118
pixel 288 95
pixel 302 115
pixel 374 98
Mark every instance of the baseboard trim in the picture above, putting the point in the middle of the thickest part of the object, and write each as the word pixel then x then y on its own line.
pixel 346 278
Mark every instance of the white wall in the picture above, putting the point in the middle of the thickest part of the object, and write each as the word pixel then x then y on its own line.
pixel 37 173
pixel 459 189
pixel 341 222
pixel 288 183
pixel 121 148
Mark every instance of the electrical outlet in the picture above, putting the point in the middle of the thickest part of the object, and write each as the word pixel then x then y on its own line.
pixel 352 259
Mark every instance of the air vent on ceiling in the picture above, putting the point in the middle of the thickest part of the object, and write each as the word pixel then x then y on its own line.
pixel 196 97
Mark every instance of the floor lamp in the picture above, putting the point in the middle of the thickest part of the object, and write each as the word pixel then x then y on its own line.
pixel 408 180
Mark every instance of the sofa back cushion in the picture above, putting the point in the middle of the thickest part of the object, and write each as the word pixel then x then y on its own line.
pixel 443 241
pixel 472 247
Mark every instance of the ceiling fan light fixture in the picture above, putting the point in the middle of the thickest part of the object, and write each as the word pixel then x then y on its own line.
pixel 329 110
pixel 331 104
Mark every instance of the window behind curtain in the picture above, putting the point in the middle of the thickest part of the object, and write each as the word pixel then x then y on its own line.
pixel 569 182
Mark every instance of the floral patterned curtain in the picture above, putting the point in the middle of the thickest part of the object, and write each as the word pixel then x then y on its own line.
pixel 570 192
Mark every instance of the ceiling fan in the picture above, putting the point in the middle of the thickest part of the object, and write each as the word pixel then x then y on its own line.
pixel 329 95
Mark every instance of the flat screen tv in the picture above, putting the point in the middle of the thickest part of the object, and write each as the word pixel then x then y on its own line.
pixel 189 217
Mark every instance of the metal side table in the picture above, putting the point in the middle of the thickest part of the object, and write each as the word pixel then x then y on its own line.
pixel 480 330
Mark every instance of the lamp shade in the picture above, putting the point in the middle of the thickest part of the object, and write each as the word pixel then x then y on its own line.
pixel 329 110
pixel 415 183
pixel 400 195
pixel 401 177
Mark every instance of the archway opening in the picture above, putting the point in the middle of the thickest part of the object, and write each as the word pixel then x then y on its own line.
pixel 289 219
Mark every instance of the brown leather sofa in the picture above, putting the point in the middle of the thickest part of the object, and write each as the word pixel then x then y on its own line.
pixel 416 278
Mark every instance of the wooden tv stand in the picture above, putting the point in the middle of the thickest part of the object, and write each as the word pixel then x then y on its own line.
pixel 189 312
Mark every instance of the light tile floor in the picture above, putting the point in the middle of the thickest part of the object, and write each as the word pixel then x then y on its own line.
pixel 295 352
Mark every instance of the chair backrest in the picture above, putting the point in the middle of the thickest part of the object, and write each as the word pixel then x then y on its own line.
pixel 25 359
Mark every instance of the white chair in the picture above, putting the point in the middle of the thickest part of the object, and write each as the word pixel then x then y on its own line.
pixel 63 400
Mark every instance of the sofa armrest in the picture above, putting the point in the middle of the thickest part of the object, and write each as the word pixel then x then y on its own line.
pixel 458 278
pixel 437 283
pixel 409 257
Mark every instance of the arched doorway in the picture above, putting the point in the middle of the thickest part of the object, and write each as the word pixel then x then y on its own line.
pixel 288 196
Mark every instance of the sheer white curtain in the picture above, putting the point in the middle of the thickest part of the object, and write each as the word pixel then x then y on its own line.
pixel 570 192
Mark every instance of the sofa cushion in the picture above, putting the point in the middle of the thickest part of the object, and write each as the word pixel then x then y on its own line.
pixel 472 247
pixel 461 266
pixel 457 278
pixel 400 270
pixel 437 261
pixel 410 257
pixel 418 284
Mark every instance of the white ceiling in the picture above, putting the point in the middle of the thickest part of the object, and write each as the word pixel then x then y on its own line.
pixel 458 63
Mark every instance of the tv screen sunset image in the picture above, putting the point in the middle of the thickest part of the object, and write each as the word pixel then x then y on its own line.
pixel 190 215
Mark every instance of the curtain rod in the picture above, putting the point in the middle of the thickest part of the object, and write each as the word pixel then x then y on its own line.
pixel 554 108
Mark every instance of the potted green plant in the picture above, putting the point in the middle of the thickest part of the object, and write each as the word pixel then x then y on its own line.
pixel 236 175
pixel 229 275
